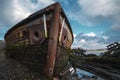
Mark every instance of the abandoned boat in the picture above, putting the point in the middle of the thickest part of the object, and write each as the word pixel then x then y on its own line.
pixel 44 38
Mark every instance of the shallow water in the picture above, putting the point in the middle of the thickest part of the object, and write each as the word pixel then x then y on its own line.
pixel 84 75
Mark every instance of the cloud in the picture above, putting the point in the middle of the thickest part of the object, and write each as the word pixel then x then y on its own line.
pixel 16 10
pixel 12 12
pixel 99 7
pixel 89 44
pixel 105 37
pixel 92 13
pixel 20 12
pixel 86 36
pixel 96 41
pixel 95 12
pixel 84 12
pixel 90 41
pixel 113 36
pixel 6 10
pixel 82 41
pixel 116 27
pixel 91 34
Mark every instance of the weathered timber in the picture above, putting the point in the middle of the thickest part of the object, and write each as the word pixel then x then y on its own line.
pixel 43 38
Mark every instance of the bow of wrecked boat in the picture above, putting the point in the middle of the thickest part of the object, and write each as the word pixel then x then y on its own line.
pixel 39 48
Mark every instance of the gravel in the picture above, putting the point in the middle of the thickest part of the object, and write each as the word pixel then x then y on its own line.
pixel 13 70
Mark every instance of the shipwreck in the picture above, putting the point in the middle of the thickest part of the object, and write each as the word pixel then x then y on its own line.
pixel 44 38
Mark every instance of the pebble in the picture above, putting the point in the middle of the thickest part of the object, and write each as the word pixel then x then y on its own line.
pixel 13 70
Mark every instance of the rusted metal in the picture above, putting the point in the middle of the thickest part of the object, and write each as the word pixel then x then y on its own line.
pixel 53 41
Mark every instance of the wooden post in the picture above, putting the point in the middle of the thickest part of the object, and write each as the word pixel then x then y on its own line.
pixel 45 26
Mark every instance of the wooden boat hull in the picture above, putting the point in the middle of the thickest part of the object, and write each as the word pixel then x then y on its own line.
pixel 45 38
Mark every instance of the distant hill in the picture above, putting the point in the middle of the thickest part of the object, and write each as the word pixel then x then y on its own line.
pixel 97 50
pixel 2 44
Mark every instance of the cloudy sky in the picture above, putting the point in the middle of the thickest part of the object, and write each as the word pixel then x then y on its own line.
pixel 95 23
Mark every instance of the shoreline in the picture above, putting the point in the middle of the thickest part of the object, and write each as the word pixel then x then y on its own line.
pixel 99 71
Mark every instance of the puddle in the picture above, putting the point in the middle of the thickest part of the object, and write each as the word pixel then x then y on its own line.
pixel 84 75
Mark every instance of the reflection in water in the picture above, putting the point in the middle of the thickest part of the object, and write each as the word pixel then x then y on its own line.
pixel 84 75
